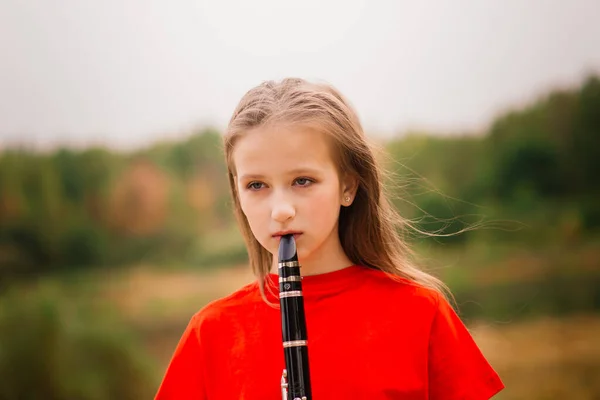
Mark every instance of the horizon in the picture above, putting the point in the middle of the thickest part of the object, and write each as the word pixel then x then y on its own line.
pixel 177 137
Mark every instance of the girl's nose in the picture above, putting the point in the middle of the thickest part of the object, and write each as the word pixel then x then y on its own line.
pixel 282 211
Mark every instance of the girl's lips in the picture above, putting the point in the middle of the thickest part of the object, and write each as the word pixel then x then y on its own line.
pixel 278 237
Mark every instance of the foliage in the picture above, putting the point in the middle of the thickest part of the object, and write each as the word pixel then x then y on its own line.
pixel 78 209
pixel 543 157
pixel 52 348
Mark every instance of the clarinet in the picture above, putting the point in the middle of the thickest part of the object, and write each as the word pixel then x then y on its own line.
pixel 295 380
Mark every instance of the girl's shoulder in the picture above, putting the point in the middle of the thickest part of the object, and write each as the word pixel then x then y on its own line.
pixel 401 289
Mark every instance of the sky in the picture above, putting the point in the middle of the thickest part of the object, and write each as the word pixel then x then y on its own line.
pixel 126 73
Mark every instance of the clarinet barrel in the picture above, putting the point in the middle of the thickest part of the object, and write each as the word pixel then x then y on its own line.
pixel 295 380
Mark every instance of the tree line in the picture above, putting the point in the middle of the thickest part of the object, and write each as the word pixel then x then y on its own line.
pixel 169 202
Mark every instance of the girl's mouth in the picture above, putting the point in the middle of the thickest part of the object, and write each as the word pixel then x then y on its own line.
pixel 279 235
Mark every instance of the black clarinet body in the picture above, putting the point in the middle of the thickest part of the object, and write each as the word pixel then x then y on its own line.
pixel 295 380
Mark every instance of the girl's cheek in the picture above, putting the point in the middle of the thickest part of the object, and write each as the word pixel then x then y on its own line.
pixel 254 208
pixel 326 193
pixel 245 206
pixel 322 201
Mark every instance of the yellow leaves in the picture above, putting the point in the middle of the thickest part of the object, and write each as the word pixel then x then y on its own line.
pixel 139 199
pixel 200 193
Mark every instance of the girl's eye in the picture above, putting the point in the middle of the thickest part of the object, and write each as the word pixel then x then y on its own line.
pixel 255 185
pixel 303 181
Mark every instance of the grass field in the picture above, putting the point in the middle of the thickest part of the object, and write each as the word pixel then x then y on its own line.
pixel 538 357
pixel 542 358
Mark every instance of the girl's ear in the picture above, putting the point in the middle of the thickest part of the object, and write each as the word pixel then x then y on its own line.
pixel 349 187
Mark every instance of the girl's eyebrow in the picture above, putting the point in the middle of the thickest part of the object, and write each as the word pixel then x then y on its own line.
pixel 296 171
pixel 251 176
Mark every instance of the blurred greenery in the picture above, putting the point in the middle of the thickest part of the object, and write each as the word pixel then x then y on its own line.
pixel 536 167
pixel 516 209
pixel 52 348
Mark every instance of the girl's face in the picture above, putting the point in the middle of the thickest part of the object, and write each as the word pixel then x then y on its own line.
pixel 288 183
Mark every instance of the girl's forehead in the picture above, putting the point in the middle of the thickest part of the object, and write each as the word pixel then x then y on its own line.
pixel 276 149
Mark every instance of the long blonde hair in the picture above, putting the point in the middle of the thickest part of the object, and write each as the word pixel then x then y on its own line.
pixel 370 230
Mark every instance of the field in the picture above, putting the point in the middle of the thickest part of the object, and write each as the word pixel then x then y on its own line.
pixel 539 358
pixel 533 313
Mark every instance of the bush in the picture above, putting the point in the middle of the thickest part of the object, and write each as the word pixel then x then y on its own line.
pixel 83 246
pixel 554 294
pixel 54 349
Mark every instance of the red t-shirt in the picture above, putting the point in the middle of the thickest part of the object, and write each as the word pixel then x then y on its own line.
pixel 369 337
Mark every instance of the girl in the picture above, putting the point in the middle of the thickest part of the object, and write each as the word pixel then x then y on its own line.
pixel 378 327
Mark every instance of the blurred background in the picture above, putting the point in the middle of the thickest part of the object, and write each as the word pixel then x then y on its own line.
pixel 115 216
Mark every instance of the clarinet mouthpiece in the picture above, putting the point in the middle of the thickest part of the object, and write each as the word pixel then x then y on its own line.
pixel 287 249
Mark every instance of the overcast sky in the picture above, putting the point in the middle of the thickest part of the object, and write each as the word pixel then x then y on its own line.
pixel 128 72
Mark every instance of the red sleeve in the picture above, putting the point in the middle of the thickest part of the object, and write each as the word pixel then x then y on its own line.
pixel 457 368
pixel 184 377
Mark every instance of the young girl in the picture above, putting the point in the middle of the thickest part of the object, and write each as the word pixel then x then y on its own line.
pixel 378 327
